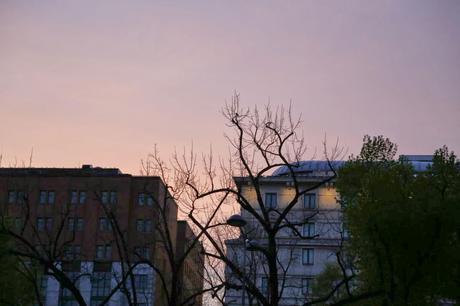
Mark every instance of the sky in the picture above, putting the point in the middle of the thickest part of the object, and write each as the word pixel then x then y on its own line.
pixel 102 82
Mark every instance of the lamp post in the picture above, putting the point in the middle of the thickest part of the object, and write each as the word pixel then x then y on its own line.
pixel 240 222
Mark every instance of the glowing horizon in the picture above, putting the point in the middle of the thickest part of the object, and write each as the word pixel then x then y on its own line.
pixel 100 83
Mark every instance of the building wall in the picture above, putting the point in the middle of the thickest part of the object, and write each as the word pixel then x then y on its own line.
pixel 192 269
pixel 93 182
pixel 328 232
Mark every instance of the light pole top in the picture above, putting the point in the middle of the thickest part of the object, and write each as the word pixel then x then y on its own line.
pixel 237 221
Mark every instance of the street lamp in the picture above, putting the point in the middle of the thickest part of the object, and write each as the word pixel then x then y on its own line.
pixel 236 221
pixel 240 222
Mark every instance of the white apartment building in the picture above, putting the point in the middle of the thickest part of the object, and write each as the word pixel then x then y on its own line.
pixel 303 258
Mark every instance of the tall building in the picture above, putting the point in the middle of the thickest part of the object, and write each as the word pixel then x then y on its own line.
pixel 69 215
pixel 302 257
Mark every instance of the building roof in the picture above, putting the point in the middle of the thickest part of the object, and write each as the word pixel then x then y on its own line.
pixel 310 166
pixel 85 170
pixel 419 162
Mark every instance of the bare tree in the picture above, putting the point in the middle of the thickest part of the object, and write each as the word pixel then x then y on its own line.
pixel 262 141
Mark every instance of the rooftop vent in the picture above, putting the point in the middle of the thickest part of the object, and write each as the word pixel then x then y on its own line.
pixel 86 167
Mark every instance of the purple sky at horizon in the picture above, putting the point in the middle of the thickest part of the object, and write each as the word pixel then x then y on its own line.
pixel 101 82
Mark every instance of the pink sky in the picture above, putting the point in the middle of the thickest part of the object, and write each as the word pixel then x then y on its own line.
pixel 101 82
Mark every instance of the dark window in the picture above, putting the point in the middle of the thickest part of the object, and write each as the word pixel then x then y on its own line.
pixel 82 197
pixel 308 230
pixel 104 251
pixel 47 197
pixel 307 285
pixel 141 282
pixel 104 224
pixel 144 226
pixel 144 199
pixel 74 197
pixel 308 256
pixel 100 287
pixel 109 197
pixel 271 200
pixel 309 201
pixel 12 195
pixel 142 252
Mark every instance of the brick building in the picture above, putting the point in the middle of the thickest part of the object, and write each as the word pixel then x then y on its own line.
pixel 192 268
pixel 94 223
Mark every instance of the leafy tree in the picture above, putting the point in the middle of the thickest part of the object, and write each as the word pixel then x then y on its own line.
pixel 14 286
pixel 404 225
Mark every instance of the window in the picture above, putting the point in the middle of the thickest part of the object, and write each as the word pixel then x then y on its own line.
pixel 105 225
pixel 104 251
pixel 113 197
pixel 74 197
pixel 76 224
pixel 82 197
pixel 109 197
pixel 307 285
pixel 47 197
pixel 264 285
pixel 144 226
pixel 72 252
pixel 100 287
pixel 141 282
pixel 18 223
pixel 142 252
pixel 12 196
pixel 105 197
pixel 67 298
pixel 44 224
pixel 16 196
pixel 77 197
pixel 308 256
pixel 141 199
pixel 43 286
pixel 308 230
pixel 345 231
pixel 144 199
pixel 309 201
pixel 271 200
pixel 40 224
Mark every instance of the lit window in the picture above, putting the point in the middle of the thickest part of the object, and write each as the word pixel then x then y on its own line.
pixel 308 256
pixel 309 201
pixel 271 200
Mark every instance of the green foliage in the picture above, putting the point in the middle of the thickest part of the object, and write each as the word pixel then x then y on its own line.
pixel 15 288
pixel 404 225
pixel 327 281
